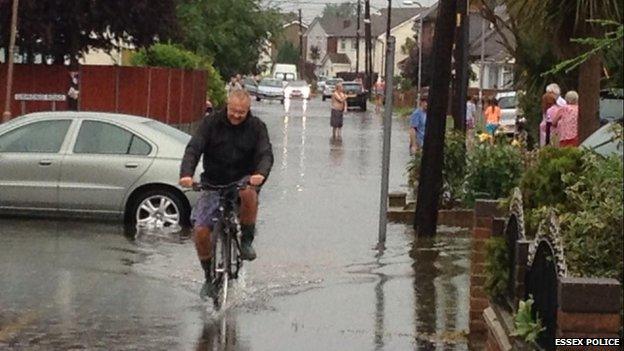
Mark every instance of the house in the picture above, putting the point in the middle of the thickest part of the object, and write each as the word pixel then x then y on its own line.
pixel 289 34
pixel 333 63
pixel 498 62
pixel 339 36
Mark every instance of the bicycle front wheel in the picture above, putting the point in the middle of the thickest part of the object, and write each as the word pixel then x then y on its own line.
pixel 222 255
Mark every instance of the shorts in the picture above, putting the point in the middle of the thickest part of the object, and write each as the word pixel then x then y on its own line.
pixel 206 211
pixel 491 128
pixel 336 119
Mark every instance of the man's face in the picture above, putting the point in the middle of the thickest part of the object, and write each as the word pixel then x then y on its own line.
pixel 423 105
pixel 237 110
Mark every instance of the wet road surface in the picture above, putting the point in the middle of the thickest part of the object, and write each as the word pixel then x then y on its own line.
pixel 317 284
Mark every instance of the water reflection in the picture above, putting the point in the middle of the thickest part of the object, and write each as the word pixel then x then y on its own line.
pixel 220 335
pixel 336 151
pixel 380 307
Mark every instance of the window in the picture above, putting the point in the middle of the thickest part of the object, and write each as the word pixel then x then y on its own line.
pixel 493 71
pixel 44 136
pixel 343 44
pixel 103 138
pixel 353 44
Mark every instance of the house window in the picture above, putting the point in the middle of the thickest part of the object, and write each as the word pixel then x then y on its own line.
pixel 343 44
pixel 493 71
pixel 508 76
pixel 353 44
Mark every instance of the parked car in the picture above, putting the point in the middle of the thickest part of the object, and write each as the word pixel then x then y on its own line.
pixel 508 103
pixel 250 85
pixel 270 89
pixel 356 95
pixel 94 164
pixel 297 89
pixel 330 86
pixel 606 140
pixel 611 105
pixel 320 83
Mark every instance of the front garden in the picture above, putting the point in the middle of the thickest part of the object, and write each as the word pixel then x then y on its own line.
pixel 562 220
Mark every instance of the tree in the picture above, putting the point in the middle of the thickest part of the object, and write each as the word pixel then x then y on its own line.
pixel 69 29
pixel 409 67
pixel 346 10
pixel 167 55
pixel 288 53
pixel 233 32
pixel 426 217
pixel 315 53
pixel 543 31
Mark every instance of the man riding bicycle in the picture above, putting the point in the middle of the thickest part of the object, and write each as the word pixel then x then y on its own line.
pixel 234 144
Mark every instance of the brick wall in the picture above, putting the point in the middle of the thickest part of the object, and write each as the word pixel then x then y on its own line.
pixel 589 308
pixel 484 214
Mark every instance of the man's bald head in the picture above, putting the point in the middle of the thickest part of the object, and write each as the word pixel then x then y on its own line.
pixel 240 95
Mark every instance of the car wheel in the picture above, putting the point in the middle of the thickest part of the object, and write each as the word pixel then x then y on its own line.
pixel 282 101
pixel 363 106
pixel 324 98
pixel 258 99
pixel 159 208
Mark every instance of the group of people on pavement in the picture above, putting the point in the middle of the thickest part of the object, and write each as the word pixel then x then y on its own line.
pixel 558 127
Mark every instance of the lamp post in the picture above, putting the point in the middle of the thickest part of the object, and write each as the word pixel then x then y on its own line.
pixel 420 34
pixel 6 115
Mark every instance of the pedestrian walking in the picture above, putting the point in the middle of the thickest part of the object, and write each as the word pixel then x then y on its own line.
pixel 492 116
pixel 552 97
pixel 471 118
pixel 74 91
pixel 379 90
pixel 565 120
pixel 418 122
pixel 338 107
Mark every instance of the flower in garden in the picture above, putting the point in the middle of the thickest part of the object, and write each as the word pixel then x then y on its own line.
pixel 483 137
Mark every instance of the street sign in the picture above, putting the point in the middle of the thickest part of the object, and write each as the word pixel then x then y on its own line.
pixel 40 97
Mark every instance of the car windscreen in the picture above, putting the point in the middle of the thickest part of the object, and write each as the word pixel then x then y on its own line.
pixel 271 83
pixel 352 88
pixel 298 84
pixel 508 102
pixel 333 81
pixel 169 130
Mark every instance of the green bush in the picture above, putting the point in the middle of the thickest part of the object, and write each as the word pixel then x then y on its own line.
pixel 527 326
pixel 453 171
pixel 492 171
pixel 592 228
pixel 168 55
pixel 496 267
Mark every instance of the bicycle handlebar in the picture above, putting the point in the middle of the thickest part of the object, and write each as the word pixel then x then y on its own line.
pixel 239 184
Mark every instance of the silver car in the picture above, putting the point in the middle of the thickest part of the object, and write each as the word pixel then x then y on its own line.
pixel 94 164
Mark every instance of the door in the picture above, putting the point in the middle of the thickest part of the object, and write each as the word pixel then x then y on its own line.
pixel 105 160
pixel 30 162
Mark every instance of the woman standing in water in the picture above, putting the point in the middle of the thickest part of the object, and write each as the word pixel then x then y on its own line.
pixel 338 106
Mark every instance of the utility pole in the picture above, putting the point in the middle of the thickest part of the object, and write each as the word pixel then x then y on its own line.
pixel 460 83
pixel 357 40
pixel 6 115
pixel 301 58
pixel 367 38
pixel 430 186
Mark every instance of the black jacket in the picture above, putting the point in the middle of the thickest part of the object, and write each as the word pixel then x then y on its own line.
pixel 230 152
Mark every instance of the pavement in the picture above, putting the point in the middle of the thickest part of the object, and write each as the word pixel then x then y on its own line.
pixel 318 283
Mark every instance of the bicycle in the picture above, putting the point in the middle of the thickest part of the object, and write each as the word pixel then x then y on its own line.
pixel 226 238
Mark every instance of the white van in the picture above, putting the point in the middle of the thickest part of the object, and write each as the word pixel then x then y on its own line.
pixel 284 71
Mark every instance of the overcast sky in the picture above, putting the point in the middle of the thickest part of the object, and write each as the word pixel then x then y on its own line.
pixel 313 8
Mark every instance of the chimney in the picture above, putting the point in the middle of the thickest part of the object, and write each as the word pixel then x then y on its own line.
pixel 346 23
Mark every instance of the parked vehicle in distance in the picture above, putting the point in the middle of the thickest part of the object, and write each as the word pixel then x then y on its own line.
pixel 270 89
pixel 284 71
pixel 611 105
pixel 94 164
pixel 297 89
pixel 605 141
pixel 510 112
pixel 320 83
pixel 250 85
pixel 330 86
pixel 356 95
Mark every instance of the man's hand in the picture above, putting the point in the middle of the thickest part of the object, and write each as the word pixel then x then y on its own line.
pixel 256 179
pixel 186 182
